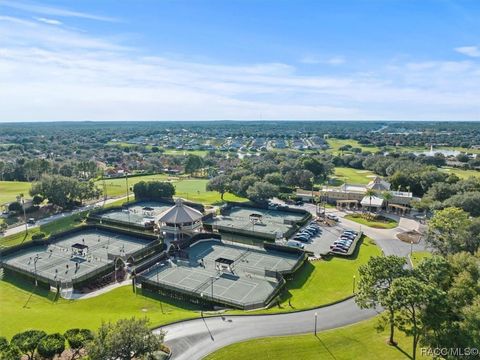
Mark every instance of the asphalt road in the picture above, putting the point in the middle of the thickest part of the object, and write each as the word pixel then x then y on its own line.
pixel 194 339
pixel 20 228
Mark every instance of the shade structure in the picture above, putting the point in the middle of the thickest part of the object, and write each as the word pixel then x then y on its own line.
pixel 372 201
pixel 180 214
pixel 180 219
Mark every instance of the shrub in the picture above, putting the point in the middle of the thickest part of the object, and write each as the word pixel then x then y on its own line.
pixel 38 236
pixel 15 207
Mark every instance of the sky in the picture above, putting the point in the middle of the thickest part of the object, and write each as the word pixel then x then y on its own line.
pixel 239 60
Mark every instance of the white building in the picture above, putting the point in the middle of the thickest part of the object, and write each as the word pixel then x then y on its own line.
pixel 354 196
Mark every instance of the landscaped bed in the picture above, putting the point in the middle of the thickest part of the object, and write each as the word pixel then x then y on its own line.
pixel 377 222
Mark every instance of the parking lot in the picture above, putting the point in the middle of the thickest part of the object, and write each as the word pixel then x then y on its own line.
pixel 320 243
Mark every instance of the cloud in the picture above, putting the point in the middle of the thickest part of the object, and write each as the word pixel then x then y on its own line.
pixel 472 51
pixel 49 21
pixel 53 11
pixel 312 60
pixel 57 73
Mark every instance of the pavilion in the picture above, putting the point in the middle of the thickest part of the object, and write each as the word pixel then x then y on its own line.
pixel 180 219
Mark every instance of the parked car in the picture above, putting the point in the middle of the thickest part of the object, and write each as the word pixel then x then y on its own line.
pixel 308 231
pixel 342 242
pixel 302 238
pixel 338 249
pixel 295 244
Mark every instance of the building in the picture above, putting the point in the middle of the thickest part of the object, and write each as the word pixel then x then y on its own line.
pixel 353 196
pixel 180 219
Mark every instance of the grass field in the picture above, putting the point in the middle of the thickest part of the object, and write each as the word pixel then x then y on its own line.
pixel 336 144
pixel 325 281
pixel 352 176
pixel 314 284
pixel 378 223
pixel 461 173
pixel 53 227
pixel 358 341
pixel 191 189
pixel 418 256
pixel 10 189
pixel 20 310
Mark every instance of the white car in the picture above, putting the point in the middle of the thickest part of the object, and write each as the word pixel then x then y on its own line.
pixel 295 244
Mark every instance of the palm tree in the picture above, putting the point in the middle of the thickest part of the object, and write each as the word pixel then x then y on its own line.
pixel 387 196
pixel 370 193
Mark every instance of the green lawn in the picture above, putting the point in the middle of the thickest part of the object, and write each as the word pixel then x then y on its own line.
pixel 53 227
pixel 335 144
pixel 378 223
pixel 314 284
pixel 418 256
pixel 325 281
pixel 352 176
pixel 461 173
pixel 10 189
pixel 20 310
pixel 358 341
pixel 191 189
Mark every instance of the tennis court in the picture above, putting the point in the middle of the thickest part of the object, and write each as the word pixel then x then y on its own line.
pixel 139 213
pixel 251 280
pixel 267 221
pixel 58 262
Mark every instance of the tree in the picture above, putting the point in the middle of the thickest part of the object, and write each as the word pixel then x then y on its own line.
pixel 376 278
pixel 387 196
pixel 193 163
pixel 274 178
pixel 126 339
pixel 3 343
pixel 77 340
pixel 220 184
pixel 51 345
pixel 63 191
pixel 10 352
pixel 469 202
pixel 27 341
pixel 156 190
pixel 15 207
pixel 448 231
pixel 409 297
pixel 261 191
pixel 370 193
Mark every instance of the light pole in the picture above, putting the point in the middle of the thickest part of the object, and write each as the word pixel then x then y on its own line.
pixel 35 267
pixel 354 278
pixel 22 198
pixel 411 248
pixel 316 315
pixel 126 181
